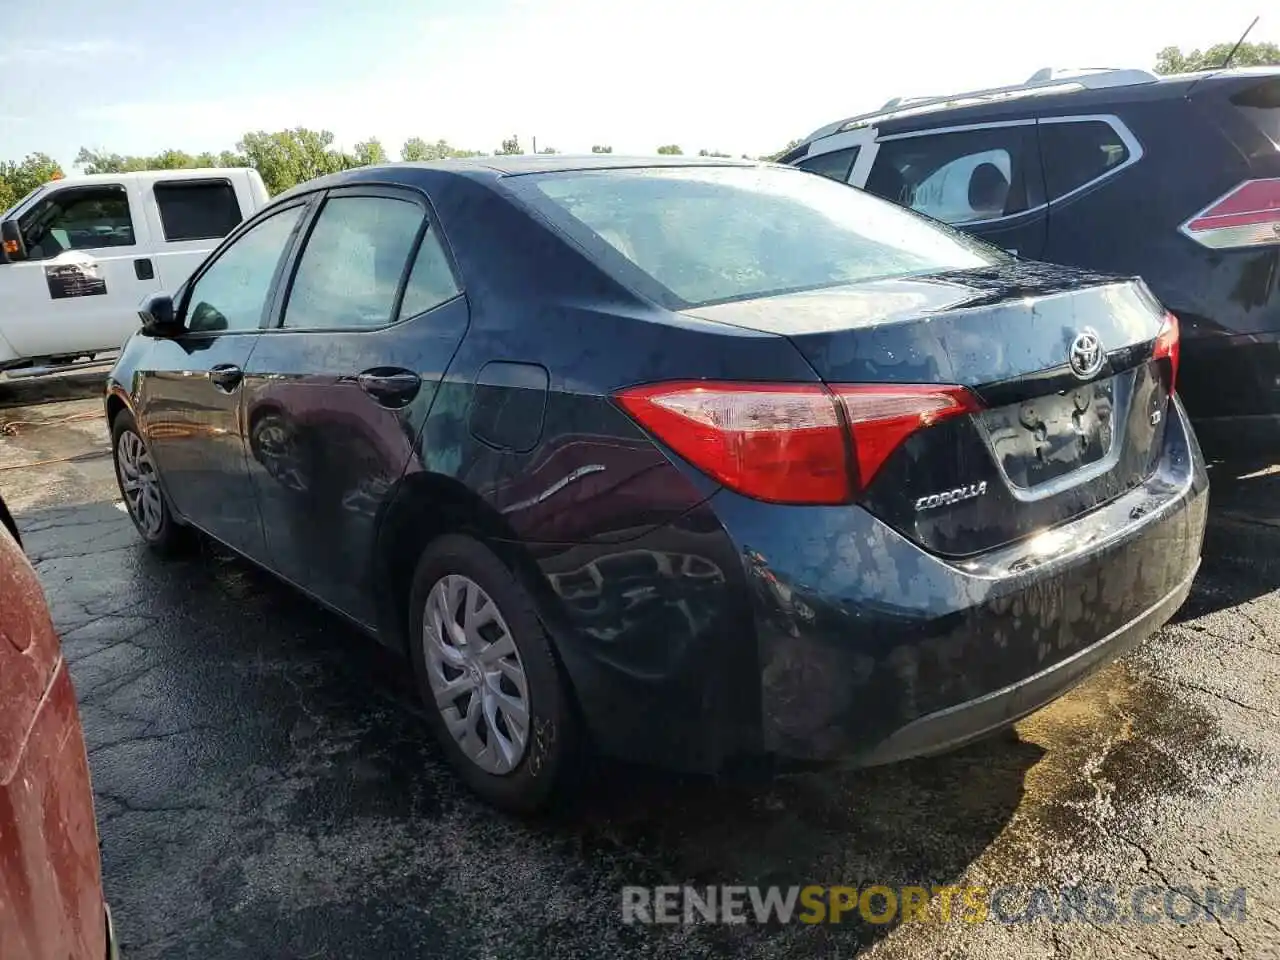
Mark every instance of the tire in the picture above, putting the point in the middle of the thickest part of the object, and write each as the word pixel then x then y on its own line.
pixel 480 740
pixel 148 508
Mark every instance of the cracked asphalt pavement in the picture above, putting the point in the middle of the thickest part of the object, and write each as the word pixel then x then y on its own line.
pixel 266 785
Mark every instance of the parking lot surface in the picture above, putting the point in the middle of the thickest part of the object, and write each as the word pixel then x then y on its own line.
pixel 266 786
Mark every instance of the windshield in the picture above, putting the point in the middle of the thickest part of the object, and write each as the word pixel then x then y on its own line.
pixel 710 234
pixel 14 209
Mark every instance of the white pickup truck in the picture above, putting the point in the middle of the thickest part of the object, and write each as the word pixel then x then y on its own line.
pixel 80 254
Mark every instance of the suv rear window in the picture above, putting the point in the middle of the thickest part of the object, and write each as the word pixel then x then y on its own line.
pixel 1076 152
pixel 1261 107
pixel 709 234
pixel 197 209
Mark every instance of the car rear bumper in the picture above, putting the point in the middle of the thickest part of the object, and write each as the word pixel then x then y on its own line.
pixel 955 726
pixel 819 634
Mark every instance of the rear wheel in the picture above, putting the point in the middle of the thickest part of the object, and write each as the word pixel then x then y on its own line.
pixel 485 669
pixel 140 487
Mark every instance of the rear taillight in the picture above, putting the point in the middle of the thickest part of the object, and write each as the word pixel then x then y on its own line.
pixel 1248 216
pixel 790 443
pixel 1168 347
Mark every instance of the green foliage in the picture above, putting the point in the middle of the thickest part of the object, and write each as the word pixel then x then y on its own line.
pixel 370 153
pixel 510 147
pixel 548 150
pixel 1173 60
pixel 99 161
pixel 713 153
pixel 19 178
pixel 670 150
pixel 417 149
pixel 773 157
pixel 601 149
pixel 289 157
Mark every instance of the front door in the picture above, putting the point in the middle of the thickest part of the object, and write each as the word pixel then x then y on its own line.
pixel 337 393
pixel 985 180
pixel 189 404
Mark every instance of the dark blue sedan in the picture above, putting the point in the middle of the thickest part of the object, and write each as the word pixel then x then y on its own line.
pixel 695 462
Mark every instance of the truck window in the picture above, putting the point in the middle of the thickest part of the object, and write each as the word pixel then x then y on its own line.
pixel 197 209
pixel 78 218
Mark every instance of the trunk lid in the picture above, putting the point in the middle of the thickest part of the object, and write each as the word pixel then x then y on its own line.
pixel 1052 442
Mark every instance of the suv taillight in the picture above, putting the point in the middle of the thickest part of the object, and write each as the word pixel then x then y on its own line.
pixel 1168 347
pixel 1248 216
pixel 790 443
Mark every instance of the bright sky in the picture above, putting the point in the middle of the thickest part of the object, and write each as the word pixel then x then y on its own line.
pixel 741 76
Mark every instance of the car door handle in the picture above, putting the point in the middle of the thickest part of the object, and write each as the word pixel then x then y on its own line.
pixel 226 377
pixel 390 387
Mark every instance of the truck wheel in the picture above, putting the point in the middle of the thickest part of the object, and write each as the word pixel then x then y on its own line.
pixel 140 487
pixel 497 700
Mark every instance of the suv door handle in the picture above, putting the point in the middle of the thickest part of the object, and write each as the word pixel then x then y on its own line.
pixel 390 387
pixel 226 377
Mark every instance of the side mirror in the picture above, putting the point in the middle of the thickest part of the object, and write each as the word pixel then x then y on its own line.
pixel 11 242
pixel 159 318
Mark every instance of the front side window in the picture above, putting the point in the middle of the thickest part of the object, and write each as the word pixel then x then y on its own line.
pixel 197 210
pixel 233 292
pixel 1078 152
pixel 78 218
pixel 834 165
pixel 707 234
pixel 351 267
pixel 963 177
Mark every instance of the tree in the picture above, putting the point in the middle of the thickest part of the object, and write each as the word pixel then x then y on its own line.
pixel 1173 60
pixel 19 178
pixel 774 157
pixel 289 157
pixel 601 149
pixel 370 153
pixel 670 150
pixel 548 150
pixel 417 149
pixel 510 147
pixel 713 153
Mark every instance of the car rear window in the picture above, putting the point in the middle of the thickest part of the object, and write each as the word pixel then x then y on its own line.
pixel 710 234
pixel 1261 107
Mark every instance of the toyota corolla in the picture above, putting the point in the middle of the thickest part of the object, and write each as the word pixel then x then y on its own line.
pixel 693 462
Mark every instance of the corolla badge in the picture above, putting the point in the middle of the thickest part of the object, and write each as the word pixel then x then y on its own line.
pixel 948 497
pixel 1086 355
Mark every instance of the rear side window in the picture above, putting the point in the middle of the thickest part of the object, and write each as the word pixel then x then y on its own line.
pixel 352 264
pixel 962 177
pixel 1078 152
pixel 431 282
pixel 197 210
pixel 835 165
pixel 710 234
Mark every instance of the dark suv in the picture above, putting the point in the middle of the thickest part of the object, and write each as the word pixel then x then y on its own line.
pixel 1173 179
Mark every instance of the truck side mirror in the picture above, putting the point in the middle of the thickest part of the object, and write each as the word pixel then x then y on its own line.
pixel 11 242
pixel 159 319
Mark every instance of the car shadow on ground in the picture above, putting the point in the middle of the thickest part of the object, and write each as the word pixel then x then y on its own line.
pixel 304 725
pixel 1241 553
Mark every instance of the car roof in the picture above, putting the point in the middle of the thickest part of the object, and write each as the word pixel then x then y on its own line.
pixel 1046 91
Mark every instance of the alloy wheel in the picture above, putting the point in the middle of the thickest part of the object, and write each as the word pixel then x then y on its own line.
pixel 476 675
pixel 140 484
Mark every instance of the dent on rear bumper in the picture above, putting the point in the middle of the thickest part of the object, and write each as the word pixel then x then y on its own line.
pixel 861 633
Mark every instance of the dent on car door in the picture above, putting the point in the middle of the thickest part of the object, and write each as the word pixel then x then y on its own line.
pixel 984 180
pixel 190 394
pixel 337 394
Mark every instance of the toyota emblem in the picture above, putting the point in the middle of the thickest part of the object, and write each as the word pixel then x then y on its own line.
pixel 1086 356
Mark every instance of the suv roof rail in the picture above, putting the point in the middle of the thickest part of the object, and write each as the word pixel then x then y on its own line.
pixel 1047 80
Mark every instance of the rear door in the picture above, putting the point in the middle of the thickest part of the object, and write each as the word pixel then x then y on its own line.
pixel 984 179
pixel 188 217
pixel 78 291
pixel 338 390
